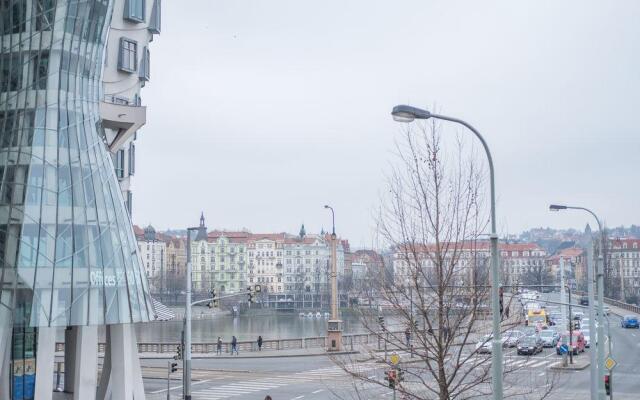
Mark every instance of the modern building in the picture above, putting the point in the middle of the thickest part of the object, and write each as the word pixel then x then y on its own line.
pixel 127 69
pixel 68 253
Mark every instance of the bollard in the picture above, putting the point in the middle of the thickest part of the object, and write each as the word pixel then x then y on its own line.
pixel 564 360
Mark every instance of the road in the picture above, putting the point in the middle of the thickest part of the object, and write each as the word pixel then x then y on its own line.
pixel 318 377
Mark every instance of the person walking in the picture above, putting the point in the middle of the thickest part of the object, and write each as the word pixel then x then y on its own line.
pixel 219 346
pixel 268 398
pixel 407 336
pixel 234 345
pixel 259 343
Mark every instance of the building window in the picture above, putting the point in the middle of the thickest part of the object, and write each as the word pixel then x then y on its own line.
pixel 129 202
pixel 134 10
pixel 45 10
pixel 156 14
pixel 41 71
pixel 119 161
pixel 128 55
pixel 145 71
pixel 132 159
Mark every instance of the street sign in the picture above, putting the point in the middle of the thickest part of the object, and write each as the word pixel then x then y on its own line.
pixel 395 359
pixel 564 349
pixel 610 363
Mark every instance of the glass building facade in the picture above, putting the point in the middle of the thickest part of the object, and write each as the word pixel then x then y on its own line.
pixel 68 254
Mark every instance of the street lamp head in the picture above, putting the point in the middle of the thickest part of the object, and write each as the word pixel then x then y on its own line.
pixel 557 207
pixel 404 113
pixel 326 206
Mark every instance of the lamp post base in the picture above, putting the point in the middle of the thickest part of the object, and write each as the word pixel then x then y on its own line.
pixel 334 335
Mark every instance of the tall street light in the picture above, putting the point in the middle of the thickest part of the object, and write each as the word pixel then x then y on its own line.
pixel 334 328
pixel 187 317
pixel 404 113
pixel 600 284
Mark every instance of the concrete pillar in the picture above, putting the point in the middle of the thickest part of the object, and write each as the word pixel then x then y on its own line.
pixel 70 334
pixel 125 381
pixel 86 363
pixel 45 363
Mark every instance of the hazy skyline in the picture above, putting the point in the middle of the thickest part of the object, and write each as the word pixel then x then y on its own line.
pixel 261 112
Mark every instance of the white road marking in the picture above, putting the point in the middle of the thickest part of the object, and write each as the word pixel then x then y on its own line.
pixel 299 397
pixel 178 387
pixel 317 391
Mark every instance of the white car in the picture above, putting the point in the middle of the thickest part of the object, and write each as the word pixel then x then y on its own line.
pixel 484 344
pixel 587 337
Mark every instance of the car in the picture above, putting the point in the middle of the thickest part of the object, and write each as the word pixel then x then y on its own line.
pixel 549 338
pixel 530 345
pixel 587 337
pixel 578 315
pixel 510 338
pixel 529 330
pixel 584 300
pixel 484 344
pixel 630 321
pixel 577 342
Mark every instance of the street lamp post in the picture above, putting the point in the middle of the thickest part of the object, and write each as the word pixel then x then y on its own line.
pixel 187 316
pixel 404 113
pixel 334 325
pixel 600 285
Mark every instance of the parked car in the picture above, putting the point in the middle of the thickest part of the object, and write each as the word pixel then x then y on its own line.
pixel 630 321
pixel 605 309
pixel 530 345
pixel 549 338
pixel 577 342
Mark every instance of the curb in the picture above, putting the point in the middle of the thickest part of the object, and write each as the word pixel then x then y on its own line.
pixel 557 367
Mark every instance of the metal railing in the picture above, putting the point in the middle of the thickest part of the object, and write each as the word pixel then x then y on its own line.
pixel 348 341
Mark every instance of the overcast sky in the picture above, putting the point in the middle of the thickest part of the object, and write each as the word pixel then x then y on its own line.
pixel 260 112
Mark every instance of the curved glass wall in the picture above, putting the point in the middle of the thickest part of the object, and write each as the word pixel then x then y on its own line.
pixel 67 246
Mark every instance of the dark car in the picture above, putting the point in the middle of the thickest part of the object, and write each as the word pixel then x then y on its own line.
pixel 584 301
pixel 630 321
pixel 530 345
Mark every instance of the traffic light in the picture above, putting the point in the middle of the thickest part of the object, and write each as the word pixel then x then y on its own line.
pixel 381 322
pixel 607 384
pixel 178 355
pixel 400 375
pixel 390 376
pixel 250 294
pixel 174 367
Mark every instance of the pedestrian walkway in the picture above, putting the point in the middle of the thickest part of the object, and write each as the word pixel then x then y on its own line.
pixel 240 389
pixel 262 354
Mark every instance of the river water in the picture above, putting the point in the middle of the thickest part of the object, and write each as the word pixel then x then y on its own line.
pixel 271 325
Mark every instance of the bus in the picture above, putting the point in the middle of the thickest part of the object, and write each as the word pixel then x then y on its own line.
pixel 537 317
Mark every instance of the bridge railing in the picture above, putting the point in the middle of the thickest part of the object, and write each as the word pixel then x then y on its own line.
pixel 348 342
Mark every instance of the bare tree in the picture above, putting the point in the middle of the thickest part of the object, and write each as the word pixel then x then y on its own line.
pixel 537 276
pixel 437 305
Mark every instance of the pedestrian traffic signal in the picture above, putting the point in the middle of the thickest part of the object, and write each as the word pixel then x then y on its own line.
pixel 400 375
pixel 390 377
pixel 178 355
pixel 212 292
pixel 607 384
pixel 174 367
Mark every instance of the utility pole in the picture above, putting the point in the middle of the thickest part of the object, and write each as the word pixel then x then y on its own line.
pixel 593 368
pixel 187 316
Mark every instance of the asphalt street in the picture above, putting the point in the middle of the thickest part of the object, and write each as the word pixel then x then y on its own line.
pixel 318 377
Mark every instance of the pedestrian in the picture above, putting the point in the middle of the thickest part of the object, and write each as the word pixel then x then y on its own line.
pixel 259 343
pixel 268 398
pixel 506 311
pixel 407 336
pixel 234 345
pixel 219 346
